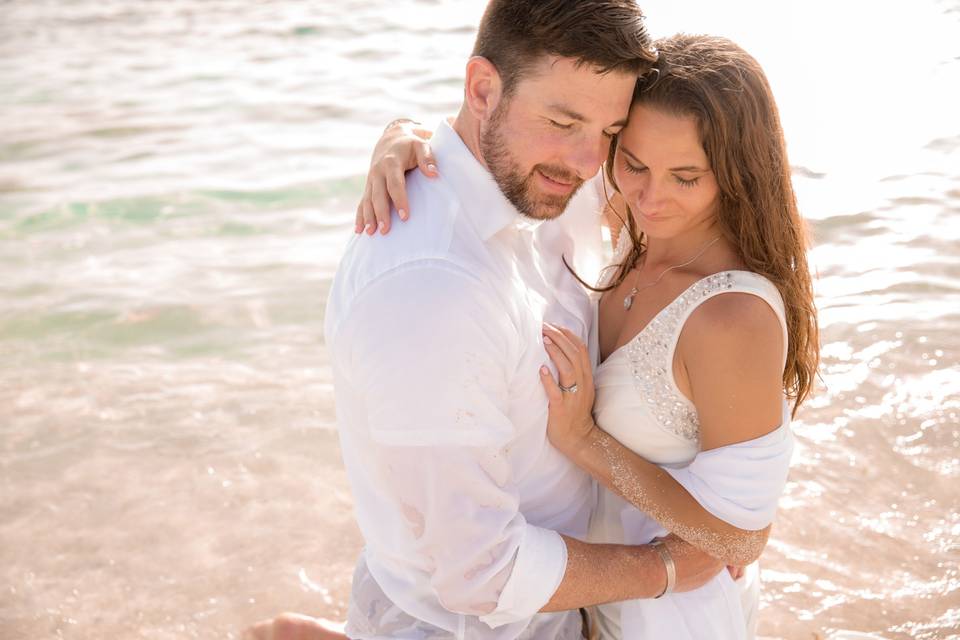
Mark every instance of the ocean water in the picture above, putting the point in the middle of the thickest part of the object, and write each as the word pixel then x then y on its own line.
pixel 177 181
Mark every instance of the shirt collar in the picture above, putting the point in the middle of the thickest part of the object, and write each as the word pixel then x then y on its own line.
pixel 480 196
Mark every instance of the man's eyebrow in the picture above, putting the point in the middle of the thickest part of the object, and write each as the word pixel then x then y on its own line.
pixel 684 168
pixel 579 117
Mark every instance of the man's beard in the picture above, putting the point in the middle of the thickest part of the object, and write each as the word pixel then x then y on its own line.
pixel 520 189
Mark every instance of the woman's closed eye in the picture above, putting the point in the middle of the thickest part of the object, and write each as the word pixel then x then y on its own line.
pixel 686 183
pixel 638 169
pixel 632 168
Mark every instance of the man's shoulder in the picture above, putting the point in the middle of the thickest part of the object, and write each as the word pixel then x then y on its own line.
pixel 431 231
pixel 434 238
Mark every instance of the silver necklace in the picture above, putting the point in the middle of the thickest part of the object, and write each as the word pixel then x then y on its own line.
pixel 628 300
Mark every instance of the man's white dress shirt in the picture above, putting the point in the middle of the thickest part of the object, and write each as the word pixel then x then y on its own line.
pixel 434 333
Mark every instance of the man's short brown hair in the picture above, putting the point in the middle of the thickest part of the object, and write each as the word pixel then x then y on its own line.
pixel 609 35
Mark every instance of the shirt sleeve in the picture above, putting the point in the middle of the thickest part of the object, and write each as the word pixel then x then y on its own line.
pixel 431 354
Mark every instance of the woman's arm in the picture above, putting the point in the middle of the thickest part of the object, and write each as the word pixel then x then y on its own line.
pixel 655 492
pixel 645 485
pixel 404 145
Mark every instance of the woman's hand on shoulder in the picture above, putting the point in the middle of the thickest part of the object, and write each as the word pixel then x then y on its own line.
pixel 570 421
pixel 404 145
pixel 731 349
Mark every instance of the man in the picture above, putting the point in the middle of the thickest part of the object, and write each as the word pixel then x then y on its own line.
pixel 472 521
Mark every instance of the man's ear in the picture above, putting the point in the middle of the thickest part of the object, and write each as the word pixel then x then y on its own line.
pixel 483 89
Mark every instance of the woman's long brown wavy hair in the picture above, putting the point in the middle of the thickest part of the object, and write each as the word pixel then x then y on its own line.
pixel 726 91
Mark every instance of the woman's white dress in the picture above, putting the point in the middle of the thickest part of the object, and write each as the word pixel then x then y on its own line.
pixel 639 404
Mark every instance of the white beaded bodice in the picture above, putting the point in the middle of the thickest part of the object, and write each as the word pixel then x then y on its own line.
pixel 638 401
pixel 650 354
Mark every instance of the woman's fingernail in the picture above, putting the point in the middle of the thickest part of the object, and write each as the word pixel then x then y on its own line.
pixel 544 371
pixel 369 228
pixel 547 340
pixel 432 168
pixel 402 213
pixel 383 226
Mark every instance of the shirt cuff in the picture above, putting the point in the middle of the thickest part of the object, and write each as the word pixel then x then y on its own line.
pixel 537 572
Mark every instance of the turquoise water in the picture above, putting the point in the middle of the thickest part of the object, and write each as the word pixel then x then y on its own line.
pixel 177 181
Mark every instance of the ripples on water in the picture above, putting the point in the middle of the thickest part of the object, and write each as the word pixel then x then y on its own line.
pixel 176 182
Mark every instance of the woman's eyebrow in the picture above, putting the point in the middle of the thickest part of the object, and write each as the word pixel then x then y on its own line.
pixel 629 153
pixel 684 168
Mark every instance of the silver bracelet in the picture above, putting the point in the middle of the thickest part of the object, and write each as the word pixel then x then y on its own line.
pixel 399 121
pixel 668 564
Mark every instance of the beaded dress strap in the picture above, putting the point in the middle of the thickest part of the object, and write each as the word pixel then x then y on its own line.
pixel 651 352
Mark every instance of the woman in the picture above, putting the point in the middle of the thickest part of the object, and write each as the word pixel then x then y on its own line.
pixel 706 327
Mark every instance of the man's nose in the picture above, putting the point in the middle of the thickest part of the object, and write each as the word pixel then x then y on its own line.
pixel 586 156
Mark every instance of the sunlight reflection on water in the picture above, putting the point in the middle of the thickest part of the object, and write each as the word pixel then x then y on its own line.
pixel 177 180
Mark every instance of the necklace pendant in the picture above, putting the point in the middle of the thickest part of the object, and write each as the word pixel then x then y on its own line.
pixel 628 301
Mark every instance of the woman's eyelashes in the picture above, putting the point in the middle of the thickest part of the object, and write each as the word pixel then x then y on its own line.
pixel 686 183
pixel 631 168
pixel 634 169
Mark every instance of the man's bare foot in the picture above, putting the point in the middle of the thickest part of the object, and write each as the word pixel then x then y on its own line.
pixel 294 626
